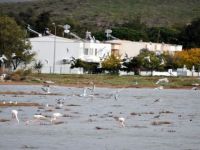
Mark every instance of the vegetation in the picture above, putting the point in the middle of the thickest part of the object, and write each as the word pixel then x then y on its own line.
pixel 88 67
pixel 38 66
pixel 105 13
pixel 168 21
pixel 110 80
pixel 189 58
pixel 13 43
pixel 112 64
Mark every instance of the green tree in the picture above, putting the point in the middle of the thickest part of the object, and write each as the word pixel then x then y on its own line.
pixel 190 36
pixel 150 61
pixel 13 43
pixel 129 34
pixel 43 21
pixel 89 67
pixel 163 34
pixel 132 64
pixel 38 66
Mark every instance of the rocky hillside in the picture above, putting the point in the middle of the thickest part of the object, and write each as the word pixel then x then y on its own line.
pixel 108 12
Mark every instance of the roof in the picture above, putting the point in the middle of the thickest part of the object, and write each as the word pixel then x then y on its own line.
pixel 51 38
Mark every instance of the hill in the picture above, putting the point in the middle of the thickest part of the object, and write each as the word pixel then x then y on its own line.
pixel 109 12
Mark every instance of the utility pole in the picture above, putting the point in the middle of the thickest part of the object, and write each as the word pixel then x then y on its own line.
pixel 54 50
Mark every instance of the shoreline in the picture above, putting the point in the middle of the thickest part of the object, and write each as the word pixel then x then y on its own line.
pixel 97 85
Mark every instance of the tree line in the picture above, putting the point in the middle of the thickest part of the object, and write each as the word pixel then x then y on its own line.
pixel 134 30
pixel 16 48
pixel 145 61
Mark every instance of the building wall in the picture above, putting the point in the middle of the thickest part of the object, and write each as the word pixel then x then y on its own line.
pixel 65 49
pixel 133 48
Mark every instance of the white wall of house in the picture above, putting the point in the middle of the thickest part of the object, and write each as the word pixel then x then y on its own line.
pixel 133 48
pixel 65 49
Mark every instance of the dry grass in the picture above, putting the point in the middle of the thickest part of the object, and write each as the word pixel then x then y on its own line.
pixel 165 112
pixel 156 123
pixel 25 93
pixel 142 113
pixel 25 104
pixel 4 120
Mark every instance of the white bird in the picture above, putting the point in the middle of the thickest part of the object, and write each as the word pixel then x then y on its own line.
pixel 116 95
pixel 93 87
pixel 121 120
pixel 15 114
pixel 39 116
pixel 162 80
pixel 55 116
pixel 84 92
pixel 46 89
pixel 159 88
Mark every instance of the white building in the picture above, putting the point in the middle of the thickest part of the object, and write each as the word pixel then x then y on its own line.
pixel 133 48
pixel 55 52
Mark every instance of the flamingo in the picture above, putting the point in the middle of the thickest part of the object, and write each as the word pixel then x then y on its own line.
pixel 36 118
pixel 14 114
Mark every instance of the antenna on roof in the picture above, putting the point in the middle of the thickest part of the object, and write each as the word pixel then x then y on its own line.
pixel 108 34
pixel 66 28
pixel 33 31
pixel 89 36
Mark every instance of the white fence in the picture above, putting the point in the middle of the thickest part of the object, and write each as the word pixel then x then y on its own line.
pixel 179 72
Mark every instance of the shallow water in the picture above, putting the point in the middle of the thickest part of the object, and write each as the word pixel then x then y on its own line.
pixel 84 114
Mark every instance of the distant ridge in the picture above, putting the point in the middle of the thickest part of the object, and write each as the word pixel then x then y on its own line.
pixel 108 12
pixel 9 1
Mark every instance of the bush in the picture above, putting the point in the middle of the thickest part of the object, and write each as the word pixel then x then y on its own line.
pixel 19 75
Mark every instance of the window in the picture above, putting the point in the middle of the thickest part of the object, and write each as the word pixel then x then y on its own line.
pixel 86 51
pixel 90 51
pixel 95 52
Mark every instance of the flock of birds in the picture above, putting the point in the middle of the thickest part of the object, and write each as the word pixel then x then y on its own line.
pixel 60 103
pixel 46 88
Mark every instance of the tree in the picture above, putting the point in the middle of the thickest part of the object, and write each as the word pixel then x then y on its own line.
pixel 190 57
pixel 43 21
pixel 13 43
pixel 38 66
pixel 163 34
pixel 129 34
pixel 89 67
pixel 150 61
pixel 112 64
pixel 132 64
pixel 190 35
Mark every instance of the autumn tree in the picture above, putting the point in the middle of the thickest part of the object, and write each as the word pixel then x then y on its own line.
pixel 112 64
pixel 190 57
pixel 13 43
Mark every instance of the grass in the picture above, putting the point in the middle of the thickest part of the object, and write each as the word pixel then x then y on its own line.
pixel 111 80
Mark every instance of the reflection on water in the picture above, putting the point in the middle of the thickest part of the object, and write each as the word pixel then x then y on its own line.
pixel 154 119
